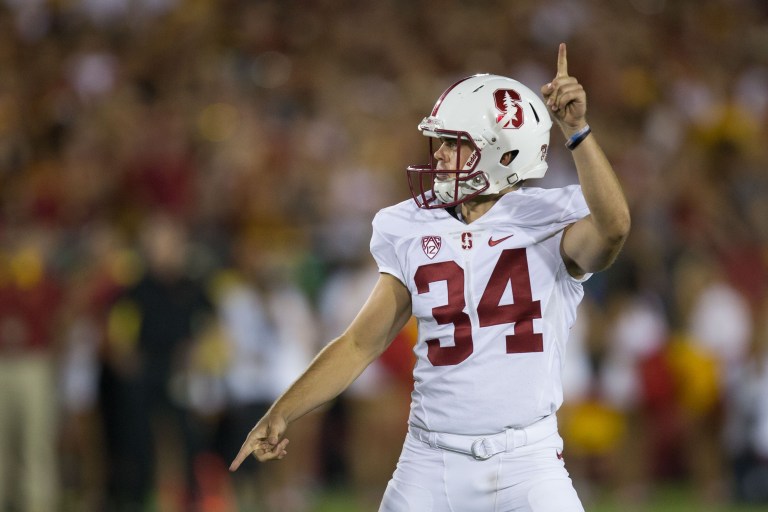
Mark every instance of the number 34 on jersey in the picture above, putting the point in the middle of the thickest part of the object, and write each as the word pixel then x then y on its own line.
pixel 509 271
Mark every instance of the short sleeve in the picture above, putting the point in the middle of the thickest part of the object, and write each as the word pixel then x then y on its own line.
pixel 383 250
pixel 576 208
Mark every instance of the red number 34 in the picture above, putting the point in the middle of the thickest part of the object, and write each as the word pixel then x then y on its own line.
pixel 512 268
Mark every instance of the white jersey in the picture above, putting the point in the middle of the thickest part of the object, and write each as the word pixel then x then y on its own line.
pixel 494 304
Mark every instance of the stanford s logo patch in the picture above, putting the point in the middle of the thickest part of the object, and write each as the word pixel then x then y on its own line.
pixel 431 245
pixel 466 240
pixel 508 103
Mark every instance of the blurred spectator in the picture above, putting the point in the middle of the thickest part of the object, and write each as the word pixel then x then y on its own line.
pixel 104 266
pixel 293 485
pixel 746 432
pixel 144 394
pixel 709 361
pixel 30 302
pixel 269 337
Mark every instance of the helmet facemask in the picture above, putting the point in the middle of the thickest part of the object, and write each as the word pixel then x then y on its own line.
pixel 433 186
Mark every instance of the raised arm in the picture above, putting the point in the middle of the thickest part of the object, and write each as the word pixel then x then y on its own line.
pixel 382 316
pixel 592 243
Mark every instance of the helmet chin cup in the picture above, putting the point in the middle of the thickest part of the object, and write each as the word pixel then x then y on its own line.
pixel 447 191
pixel 452 191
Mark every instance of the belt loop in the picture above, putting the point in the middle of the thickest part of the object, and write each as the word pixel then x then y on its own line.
pixel 432 439
pixel 516 437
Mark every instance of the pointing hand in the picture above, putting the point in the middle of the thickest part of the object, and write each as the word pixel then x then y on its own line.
pixel 565 97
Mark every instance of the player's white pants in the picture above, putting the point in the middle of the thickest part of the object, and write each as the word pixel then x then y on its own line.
pixel 527 478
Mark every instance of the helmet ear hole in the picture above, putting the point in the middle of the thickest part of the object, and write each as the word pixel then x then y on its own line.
pixel 508 157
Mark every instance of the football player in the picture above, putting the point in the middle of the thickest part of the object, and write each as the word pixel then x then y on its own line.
pixel 492 269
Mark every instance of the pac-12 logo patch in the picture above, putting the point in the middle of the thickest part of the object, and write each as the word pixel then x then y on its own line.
pixel 431 245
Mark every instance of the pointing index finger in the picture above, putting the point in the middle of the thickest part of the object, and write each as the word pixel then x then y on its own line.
pixel 562 62
pixel 243 454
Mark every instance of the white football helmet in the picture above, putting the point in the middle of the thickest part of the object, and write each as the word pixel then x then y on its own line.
pixel 496 116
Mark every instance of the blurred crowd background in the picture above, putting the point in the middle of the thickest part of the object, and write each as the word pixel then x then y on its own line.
pixel 186 190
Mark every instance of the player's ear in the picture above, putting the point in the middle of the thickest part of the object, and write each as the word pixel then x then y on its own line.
pixel 508 157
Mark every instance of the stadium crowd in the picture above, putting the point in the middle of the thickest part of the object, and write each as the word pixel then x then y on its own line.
pixel 186 190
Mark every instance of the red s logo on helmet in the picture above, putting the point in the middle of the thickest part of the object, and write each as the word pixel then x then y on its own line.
pixel 508 103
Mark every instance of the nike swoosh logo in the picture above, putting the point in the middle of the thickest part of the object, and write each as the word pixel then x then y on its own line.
pixel 493 242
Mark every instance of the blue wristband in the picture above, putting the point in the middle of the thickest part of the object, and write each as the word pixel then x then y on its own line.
pixel 577 137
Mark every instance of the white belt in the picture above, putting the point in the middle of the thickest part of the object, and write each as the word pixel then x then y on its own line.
pixel 484 447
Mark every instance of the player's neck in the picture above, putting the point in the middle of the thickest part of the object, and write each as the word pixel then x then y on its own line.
pixel 474 208
pixel 477 207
